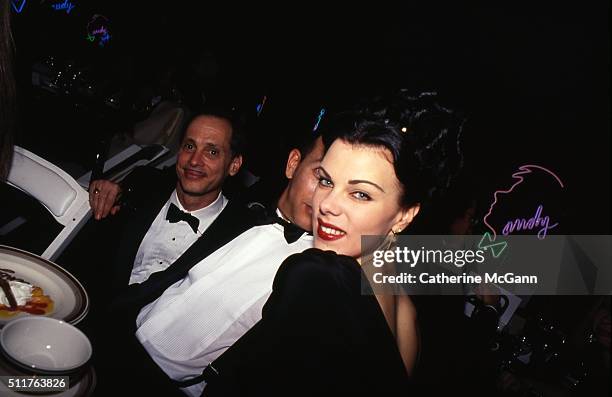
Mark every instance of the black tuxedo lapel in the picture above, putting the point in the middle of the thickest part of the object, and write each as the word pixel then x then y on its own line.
pixel 148 189
pixel 136 225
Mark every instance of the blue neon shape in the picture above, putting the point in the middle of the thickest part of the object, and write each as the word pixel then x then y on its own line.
pixel 321 114
pixel 66 5
pixel 18 10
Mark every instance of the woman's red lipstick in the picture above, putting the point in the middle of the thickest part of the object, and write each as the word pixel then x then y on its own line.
pixel 329 232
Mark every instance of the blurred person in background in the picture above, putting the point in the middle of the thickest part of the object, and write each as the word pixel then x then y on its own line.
pixel 7 90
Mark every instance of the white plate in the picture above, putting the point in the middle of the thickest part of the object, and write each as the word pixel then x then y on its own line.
pixel 70 299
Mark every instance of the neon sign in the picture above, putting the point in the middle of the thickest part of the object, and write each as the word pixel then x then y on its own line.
pixel 320 116
pixel 261 105
pixel 66 5
pixel 97 28
pixel 534 221
pixel 489 241
pixel 18 8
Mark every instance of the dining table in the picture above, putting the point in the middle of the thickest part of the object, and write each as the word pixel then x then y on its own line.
pixel 70 303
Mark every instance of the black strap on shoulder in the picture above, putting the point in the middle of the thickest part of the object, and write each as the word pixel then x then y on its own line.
pixel 226 362
pixel 207 375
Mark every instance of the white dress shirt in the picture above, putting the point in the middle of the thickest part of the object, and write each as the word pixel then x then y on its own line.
pixel 165 242
pixel 199 317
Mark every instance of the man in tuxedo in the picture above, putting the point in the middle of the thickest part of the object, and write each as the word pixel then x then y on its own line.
pixel 274 227
pixel 199 317
pixel 168 211
pixel 216 294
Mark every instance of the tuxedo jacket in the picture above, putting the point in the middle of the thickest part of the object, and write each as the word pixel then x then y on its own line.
pixel 145 192
pixel 143 205
pixel 102 254
pixel 146 198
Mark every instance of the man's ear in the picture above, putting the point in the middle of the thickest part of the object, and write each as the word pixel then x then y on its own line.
pixel 406 218
pixel 293 161
pixel 235 165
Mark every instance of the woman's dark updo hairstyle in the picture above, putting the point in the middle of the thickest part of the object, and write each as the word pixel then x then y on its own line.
pixel 422 136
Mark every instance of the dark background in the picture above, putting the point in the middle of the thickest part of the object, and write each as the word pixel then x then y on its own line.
pixel 532 79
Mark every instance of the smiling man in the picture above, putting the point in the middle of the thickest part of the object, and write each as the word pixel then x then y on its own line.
pixel 206 158
pixel 209 153
pixel 168 211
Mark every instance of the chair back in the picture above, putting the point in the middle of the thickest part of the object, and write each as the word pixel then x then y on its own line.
pixel 57 191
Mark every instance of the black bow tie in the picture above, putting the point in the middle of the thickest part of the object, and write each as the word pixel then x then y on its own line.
pixel 176 215
pixel 291 231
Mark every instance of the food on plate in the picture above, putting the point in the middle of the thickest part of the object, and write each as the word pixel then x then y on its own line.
pixel 18 295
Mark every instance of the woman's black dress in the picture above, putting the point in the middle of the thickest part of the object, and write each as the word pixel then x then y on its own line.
pixel 319 335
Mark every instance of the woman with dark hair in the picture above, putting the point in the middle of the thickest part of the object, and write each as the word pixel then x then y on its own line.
pixel 7 90
pixel 323 331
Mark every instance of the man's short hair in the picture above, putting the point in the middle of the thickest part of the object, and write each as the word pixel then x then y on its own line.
pixel 229 114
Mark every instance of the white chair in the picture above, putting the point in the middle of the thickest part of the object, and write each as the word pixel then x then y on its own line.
pixel 57 191
pixel 122 164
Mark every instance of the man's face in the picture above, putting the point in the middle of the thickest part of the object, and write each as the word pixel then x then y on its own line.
pixel 296 203
pixel 205 157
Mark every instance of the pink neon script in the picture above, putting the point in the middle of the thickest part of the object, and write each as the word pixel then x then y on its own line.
pixel 523 170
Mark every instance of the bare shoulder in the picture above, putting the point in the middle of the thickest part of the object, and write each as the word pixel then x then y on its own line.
pixel 405 307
